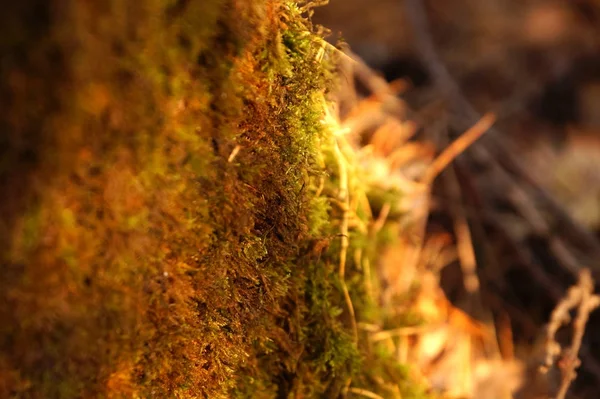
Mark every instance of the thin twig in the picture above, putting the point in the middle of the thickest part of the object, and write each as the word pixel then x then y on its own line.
pixel 582 297
pixel 344 198
pixel 464 241
pixel 457 147
pixel 375 83
pixel 365 393
pixel 380 221
pixel 404 331
pixel 234 153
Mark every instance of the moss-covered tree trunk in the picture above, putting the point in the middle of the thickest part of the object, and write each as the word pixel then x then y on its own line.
pixel 158 219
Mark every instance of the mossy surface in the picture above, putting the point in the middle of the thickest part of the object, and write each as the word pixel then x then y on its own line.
pixel 160 232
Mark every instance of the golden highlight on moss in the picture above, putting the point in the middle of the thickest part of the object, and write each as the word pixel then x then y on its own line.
pixel 141 256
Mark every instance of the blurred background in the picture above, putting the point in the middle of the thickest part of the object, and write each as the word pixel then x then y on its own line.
pixel 536 64
pixel 540 58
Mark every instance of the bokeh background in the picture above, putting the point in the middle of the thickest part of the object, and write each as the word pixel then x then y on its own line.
pixel 537 64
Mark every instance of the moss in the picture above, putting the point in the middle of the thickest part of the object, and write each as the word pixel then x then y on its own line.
pixel 138 258
pixel 171 217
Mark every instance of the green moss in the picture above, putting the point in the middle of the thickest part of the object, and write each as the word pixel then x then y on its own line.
pixel 138 259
